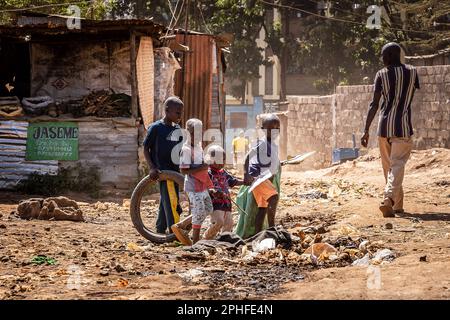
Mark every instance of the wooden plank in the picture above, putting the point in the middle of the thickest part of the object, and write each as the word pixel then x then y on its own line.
pixel 134 91
pixel 145 80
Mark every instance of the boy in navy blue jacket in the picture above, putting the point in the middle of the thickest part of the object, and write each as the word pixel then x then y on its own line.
pixel 162 136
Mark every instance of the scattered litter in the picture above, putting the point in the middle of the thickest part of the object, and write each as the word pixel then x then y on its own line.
pixel 334 191
pixel 192 275
pixel 318 249
pixel 314 194
pixel 126 203
pixel 104 273
pixel 348 230
pixel 102 206
pixel 266 244
pixel 384 255
pixel 134 247
pixel 363 246
pixel 122 283
pixel 363 262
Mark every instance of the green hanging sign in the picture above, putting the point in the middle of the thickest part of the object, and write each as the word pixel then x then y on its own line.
pixel 52 141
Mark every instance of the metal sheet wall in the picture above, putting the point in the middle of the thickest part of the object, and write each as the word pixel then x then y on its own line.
pixel 197 78
pixel 13 167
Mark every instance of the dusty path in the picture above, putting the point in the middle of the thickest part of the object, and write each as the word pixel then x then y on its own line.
pixel 105 258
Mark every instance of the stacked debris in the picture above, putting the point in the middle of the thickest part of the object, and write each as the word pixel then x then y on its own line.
pixel 37 105
pixel 301 246
pixel 104 104
pixel 54 208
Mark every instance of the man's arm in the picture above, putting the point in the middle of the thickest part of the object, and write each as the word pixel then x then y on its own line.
pixel 148 145
pixel 248 179
pixel 194 169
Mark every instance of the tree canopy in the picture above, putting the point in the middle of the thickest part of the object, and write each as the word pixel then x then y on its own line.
pixel 334 43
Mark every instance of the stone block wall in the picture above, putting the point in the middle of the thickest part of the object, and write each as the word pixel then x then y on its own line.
pixel 310 128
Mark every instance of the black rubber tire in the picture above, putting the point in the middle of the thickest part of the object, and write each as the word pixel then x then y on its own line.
pixel 135 206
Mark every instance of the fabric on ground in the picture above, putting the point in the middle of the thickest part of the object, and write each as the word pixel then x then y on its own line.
pixel 245 227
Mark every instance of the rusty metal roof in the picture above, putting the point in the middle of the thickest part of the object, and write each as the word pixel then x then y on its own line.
pixel 197 95
pixel 39 24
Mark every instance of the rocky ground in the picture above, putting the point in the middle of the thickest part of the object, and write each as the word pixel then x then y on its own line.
pixel 365 256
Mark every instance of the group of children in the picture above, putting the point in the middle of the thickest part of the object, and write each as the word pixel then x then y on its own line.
pixel 207 183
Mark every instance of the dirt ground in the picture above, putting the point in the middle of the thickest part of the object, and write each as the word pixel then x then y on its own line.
pixel 105 258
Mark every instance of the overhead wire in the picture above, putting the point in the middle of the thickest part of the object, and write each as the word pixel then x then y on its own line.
pixel 341 20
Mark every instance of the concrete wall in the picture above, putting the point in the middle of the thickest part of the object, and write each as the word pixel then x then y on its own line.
pixel 310 127
pixel 322 123
pixel 80 68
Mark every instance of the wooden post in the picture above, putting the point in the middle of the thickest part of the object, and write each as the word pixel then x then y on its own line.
pixel 134 91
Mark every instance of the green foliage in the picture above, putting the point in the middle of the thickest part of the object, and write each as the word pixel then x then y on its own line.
pixel 78 178
pixel 40 259
pixel 90 9
pixel 244 22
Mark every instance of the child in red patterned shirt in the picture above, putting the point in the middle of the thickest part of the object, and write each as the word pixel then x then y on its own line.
pixel 221 218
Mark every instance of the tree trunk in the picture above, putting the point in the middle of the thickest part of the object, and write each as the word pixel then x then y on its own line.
pixel 243 87
pixel 284 53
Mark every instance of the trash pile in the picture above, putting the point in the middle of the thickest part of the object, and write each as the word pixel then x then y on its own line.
pixel 324 191
pixel 53 208
pixel 101 103
pixel 300 246
pixel 38 105
pixel 105 104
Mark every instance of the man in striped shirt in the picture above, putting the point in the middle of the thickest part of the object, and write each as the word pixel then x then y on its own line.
pixel 396 83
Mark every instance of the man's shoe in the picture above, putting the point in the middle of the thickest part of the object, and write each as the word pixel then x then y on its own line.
pixel 181 235
pixel 386 208
pixel 399 211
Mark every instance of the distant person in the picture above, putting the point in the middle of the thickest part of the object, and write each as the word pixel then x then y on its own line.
pixel 240 148
pixel 396 83
pixel 158 144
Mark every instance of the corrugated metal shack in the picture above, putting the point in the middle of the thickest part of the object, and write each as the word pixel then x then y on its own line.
pixel 40 56
pixel 201 85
